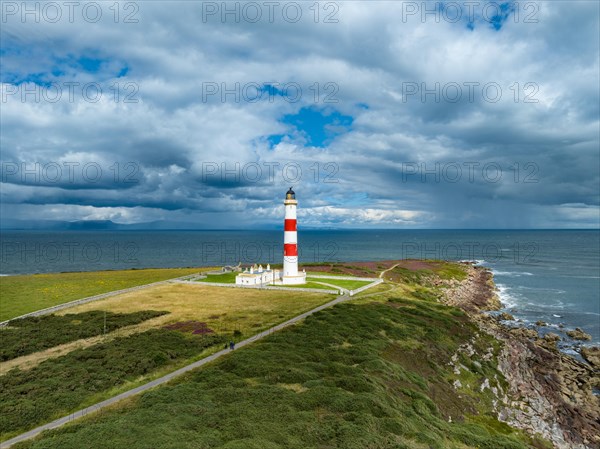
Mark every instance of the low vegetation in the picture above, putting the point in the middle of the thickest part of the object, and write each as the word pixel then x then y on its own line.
pixel 199 319
pixel 309 285
pixel 222 309
pixel 29 335
pixel 364 374
pixel 348 284
pixel 28 293
pixel 60 385
pixel 224 278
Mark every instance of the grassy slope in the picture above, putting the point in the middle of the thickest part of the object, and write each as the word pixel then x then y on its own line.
pixel 90 373
pixel 225 278
pixel 223 309
pixel 308 285
pixel 34 334
pixel 57 386
pixel 28 293
pixel 344 283
pixel 365 374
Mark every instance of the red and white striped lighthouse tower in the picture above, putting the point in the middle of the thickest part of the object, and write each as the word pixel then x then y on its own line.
pixel 290 243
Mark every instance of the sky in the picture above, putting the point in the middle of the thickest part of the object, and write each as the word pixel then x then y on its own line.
pixel 379 114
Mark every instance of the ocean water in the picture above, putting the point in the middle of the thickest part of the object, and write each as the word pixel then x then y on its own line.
pixel 553 276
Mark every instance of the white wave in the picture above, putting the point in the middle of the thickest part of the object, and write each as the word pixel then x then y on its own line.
pixel 541 289
pixel 511 273
pixel 580 277
pixel 506 298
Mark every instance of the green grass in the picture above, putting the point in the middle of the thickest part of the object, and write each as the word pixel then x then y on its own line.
pixel 225 278
pixel 324 273
pixel 359 375
pixel 344 283
pixel 33 334
pixel 60 385
pixel 28 293
pixel 229 278
pixel 308 285
pixel 450 270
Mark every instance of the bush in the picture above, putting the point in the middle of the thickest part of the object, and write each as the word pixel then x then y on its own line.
pixel 33 334
pixel 57 386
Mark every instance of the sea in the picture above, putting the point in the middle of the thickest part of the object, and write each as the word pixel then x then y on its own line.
pixel 547 275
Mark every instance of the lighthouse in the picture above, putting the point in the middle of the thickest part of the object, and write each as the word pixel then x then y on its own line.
pixel 290 273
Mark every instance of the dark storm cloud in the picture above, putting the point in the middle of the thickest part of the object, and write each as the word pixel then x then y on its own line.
pixel 380 171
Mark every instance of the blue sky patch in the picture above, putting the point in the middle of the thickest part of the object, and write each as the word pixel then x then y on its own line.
pixel 318 126
pixel 91 65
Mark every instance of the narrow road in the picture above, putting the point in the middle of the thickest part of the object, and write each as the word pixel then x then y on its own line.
pixel 385 271
pixel 108 402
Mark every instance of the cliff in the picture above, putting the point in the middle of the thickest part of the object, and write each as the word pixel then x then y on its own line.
pixel 549 392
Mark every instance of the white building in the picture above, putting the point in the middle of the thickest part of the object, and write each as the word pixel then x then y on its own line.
pixel 256 276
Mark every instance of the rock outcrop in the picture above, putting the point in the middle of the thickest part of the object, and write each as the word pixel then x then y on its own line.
pixel 549 393
pixel 579 334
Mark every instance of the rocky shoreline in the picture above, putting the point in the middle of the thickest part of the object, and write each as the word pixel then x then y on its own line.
pixel 549 392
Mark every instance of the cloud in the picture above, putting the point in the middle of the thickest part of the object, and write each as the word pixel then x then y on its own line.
pixel 376 111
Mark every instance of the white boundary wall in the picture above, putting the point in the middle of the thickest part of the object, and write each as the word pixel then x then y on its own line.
pixel 260 287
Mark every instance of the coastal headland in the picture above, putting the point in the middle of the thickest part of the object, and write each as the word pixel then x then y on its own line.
pixel 426 358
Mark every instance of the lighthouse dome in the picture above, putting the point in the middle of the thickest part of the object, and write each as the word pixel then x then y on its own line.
pixel 290 195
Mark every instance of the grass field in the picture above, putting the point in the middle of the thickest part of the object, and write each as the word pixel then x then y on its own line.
pixel 225 278
pixel 223 309
pixel 57 386
pixel 28 293
pixel 94 369
pixel 34 334
pixel 370 374
pixel 309 285
pixel 226 310
pixel 344 283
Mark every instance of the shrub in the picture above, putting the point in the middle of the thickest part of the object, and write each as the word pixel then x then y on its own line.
pixel 33 334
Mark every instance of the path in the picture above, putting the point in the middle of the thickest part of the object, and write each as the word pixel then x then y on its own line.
pixel 385 271
pixel 108 402
pixel 344 290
